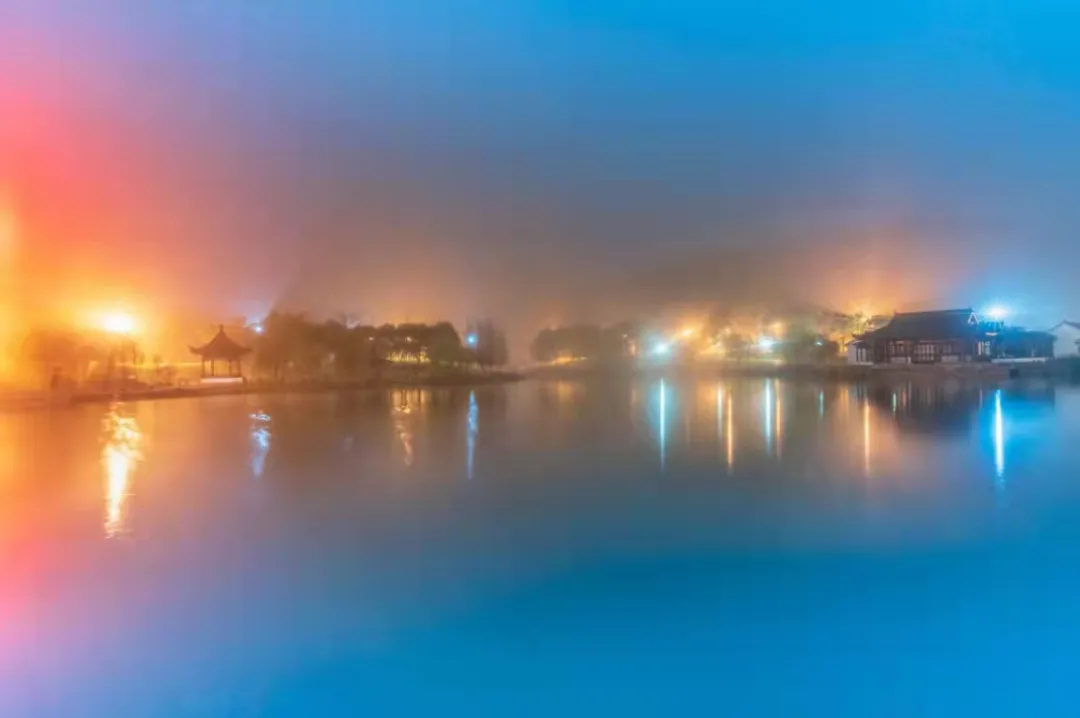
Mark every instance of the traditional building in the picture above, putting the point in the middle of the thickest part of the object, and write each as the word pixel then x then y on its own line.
pixel 1013 344
pixel 1067 335
pixel 951 335
pixel 221 349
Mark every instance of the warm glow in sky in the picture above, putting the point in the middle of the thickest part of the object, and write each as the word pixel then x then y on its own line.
pixel 394 161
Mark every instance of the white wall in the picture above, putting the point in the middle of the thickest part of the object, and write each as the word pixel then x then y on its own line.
pixel 1067 336
pixel 852 355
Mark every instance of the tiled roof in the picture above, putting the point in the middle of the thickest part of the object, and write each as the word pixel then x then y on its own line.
pixel 1073 325
pixel 941 325
pixel 220 347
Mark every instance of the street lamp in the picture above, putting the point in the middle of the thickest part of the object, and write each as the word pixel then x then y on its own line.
pixel 121 326
pixel 118 323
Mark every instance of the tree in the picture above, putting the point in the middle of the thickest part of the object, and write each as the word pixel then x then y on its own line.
pixel 737 346
pixel 443 344
pixel 338 347
pixel 857 323
pixel 619 342
pixel 286 343
pixel 586 341
pixel 545 346
pixel 491 349
pixel 51 351
pixel 807 346
pixel 58 352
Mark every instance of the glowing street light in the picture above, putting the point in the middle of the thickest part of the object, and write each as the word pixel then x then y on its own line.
pixel 766 344
pixel 118 323
pixel 997 312
pixel 661 349
pixel 471 340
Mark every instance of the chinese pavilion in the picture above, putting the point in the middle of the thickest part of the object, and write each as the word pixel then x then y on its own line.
pixel 221 349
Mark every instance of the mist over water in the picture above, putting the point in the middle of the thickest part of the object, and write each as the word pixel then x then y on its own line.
pixel 747 546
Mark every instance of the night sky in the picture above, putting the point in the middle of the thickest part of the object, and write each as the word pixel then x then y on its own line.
pixel 541 160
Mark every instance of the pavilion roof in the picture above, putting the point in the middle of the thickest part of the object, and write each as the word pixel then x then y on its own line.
pixel 221 347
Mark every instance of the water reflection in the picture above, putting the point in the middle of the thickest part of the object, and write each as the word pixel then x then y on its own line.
pixel 866 438
pixel 120 455
pixel 779 422
pixel 865 425
pixel 570 518
pixel 730 433
pixel 999 436
pixel 404 404
pixel 767 414
pixel 719 414
pixel 725 426
pixel 662 431
pixel 472 428
pixel 261 437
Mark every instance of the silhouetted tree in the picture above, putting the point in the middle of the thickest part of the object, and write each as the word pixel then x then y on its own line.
pixel 491 349
pixel 443 344
pixel 545 346
pixel 808 347
pixel 290 343
pixel 618 341
pixel 587 341
pixel 737 346
pixel 50 351
pixel 63 353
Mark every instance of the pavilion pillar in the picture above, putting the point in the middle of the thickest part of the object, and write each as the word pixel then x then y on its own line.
pixel 220 348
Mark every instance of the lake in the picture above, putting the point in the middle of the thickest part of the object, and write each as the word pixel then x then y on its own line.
pixel 656 547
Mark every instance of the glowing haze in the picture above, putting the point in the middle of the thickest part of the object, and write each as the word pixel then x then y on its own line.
pixel 535 160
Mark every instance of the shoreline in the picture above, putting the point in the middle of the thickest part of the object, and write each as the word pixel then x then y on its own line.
pixel 1056 370
pixel 43 400
pixel 1053 370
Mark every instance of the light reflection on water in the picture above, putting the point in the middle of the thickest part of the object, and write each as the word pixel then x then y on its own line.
pixel 877 424
pixel 730 435
pixel 767 414
pixel 866 438
pixel 261 438
pixel 663 424
pixel 120 454
pixel 472 430
pixel 384 528
pixel 404 404
pixel 999 436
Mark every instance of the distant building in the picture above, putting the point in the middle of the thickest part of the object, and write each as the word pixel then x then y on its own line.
pixel 1013 344
pixel 857 352
pixel 1067 342
pixel 951 335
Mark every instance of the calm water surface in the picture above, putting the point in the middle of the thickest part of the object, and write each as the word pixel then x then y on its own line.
pixel 655 548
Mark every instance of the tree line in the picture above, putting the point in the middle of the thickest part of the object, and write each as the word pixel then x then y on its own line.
pixel 291 344
pixel 284 345
pixel 588 341
pixel 801 341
